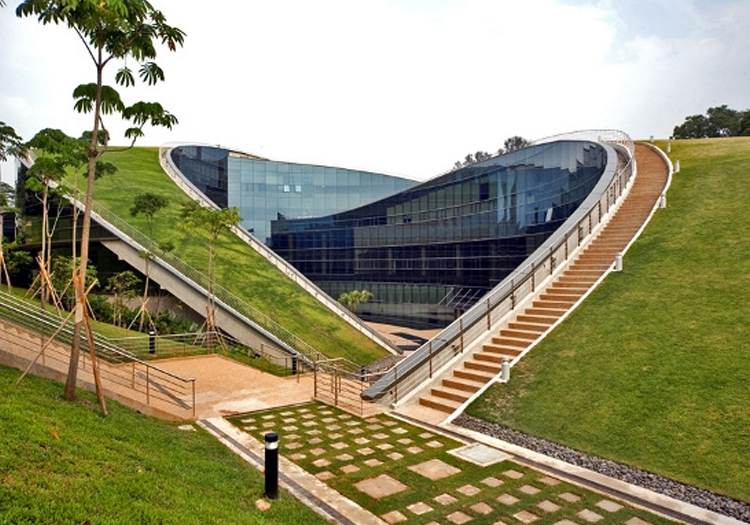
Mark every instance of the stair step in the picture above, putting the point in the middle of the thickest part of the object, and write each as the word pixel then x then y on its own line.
pixel 449 393
pixel 561 306
pixel 537 328
pixel 473 364
pixel 474 375
pixel 515 334
pixel 527 317
pixel 467 385
pixel 509 351
pixel 443 405
pixel 510 342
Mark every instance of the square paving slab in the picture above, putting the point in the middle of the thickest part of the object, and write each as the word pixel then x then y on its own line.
pixel 434 469
pixel 480 454
pixel 380 486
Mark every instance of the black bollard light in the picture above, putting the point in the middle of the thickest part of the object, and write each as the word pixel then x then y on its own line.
pixel 272 465
pixel 152 342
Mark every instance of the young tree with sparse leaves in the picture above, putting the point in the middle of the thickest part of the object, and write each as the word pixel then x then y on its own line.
pixel 111 31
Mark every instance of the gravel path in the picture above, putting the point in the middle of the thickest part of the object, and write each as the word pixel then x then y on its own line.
pixel 727 506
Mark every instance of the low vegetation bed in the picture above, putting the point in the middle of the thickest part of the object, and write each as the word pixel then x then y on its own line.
pixel 406 474
pixel 65 463
pixel 652 370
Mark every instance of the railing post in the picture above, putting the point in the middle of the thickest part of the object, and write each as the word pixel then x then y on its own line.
pixel 489 315
pixel 148 387
pixel 533 278
pixel 395 385
pixel 430 359
pixel 194 408
pixel 461 330
pixel 315 380
pixel 336 387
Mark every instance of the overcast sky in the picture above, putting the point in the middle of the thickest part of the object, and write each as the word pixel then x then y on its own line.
pixel 404 87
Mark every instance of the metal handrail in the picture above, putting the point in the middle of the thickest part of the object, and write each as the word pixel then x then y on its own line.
pixel 200 280
pixel 478 320
pixel 34 319
pixel 167 163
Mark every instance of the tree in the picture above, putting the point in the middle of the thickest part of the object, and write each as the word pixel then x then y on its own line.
pixel 212 221
pixel 11 145
pixel 122 286
pixel 719 121
pixel 514 143
pixel 352 300
pixel 148 204
pixel 110 30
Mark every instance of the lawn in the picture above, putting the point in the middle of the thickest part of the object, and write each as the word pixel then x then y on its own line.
pixel 65 463
pixel 653 369
pixel 240 269
pixel 361 458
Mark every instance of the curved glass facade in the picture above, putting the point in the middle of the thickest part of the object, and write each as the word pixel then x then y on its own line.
pixel 264 190
pixel 426 251
pixel 430 252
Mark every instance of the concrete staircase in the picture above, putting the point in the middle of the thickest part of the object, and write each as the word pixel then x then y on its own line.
pixel 561 295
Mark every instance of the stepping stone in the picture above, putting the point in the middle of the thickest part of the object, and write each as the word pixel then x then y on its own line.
pixel 366 451
pixel 469 490
pixel 419 508
pixel 399 430
pixel 425 435
pixel 507 499
pixel 293 446
pixel 445 499
pixel 384 446
pixel 317 451
pixel 289 420
pixel 323 462
pixel 297 457
pixel 356 431
pixel 349 469
pixel 339 445
pixel 325 475
pixel 499 522
pixel 565 522
pixel 458 517
pixel 290 428
pixel 269 416
pixel 492 482
pixel 302 410
pixel 380 435
pixel 380 486
pixel 548 506
pixel 335 436
pixel 361 440
pixel 315 441
pixel 344 416
pixel 314 432
pixel 310 424
pixel 269 424
pixel 434 469
pixel 569 497
pixel 292 437
pixel 395 456
pixel 393 516
pixel 308 416
pixel 636 521
pixel 414 450
pixel 352 423
pixel 434 444
pixel 390 423
pixel 513 474
pixel 530 490
pixel 481 455
pixel 345 457
pixel 482 508
pixel 609 506
pixel 405 441
pixel 374 427
pixel 590 516
pixel 328 420
pixel 333 427
pixel 525 516
pixel 548 480
pixel 326 413
pixel 373 462
pixel 372 420
pixel 287 413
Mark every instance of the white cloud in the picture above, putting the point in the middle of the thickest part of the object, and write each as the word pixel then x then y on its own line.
pixel 401 86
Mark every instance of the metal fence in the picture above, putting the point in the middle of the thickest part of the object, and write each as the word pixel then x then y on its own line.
pixel 33 333
pixel 475 324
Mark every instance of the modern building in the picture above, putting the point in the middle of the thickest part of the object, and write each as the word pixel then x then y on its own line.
pixel 427 251
pixel 265 190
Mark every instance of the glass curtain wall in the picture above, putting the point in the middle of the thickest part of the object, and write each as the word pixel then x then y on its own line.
pixel 430 252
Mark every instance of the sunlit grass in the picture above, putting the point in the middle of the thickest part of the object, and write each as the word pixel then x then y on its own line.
pixel 239 268
pixel 653 369
pixel 64 463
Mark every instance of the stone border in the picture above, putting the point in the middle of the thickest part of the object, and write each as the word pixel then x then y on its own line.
pixel 703 498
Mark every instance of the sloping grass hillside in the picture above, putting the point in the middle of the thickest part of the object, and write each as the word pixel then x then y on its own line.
pixel 65 463
pixel 653 369
pixel 239 268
